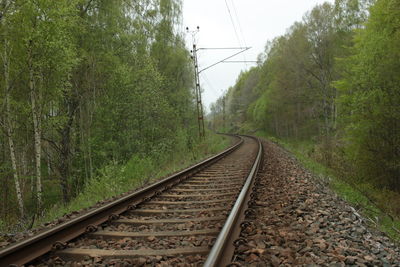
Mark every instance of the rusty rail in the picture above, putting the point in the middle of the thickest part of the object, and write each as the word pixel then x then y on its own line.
pixel 27 250
pixel 223 249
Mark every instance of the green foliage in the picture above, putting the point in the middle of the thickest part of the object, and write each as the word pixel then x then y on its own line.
pixel 137 168
pixel 115 179
pixel 112 82
pixel 371 96
pixel 330 87
pixel 290 93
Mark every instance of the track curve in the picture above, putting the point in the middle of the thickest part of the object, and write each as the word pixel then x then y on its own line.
pixel 176 225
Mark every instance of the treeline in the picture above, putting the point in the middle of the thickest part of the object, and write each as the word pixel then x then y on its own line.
pixel 84 84
pixel 332 79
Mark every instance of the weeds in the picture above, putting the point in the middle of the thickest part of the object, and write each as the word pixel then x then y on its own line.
pixel 364 197
pixel 115 179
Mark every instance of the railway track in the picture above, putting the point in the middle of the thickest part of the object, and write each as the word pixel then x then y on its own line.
pixel 189 219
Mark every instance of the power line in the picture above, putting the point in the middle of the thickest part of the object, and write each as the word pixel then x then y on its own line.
pixel 239 61
pixel 233 23
pixel 240 27
pixel 222 60
pixel 238 22
pixel 234 26
pixel 220 48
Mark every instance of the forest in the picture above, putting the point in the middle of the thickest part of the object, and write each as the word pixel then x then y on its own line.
pixel 96 96
pixel 330 84
pixel 90 90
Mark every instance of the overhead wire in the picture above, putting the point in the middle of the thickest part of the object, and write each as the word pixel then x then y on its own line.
pixel 222 60
pixel 240 27
pixel 233 23
pixel 234 26
pixel 240 38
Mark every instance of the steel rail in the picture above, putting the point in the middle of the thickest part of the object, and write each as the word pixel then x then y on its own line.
pixel 223 249
pixel 29 249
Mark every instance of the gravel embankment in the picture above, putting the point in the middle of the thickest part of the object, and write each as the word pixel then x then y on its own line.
pixel 301 222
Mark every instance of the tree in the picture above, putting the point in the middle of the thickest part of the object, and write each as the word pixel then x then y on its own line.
pixel 49 55
pixel 371 96
pixel 88 83
pixel 6 6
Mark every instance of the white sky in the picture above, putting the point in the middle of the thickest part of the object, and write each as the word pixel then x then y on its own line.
pixel 260 21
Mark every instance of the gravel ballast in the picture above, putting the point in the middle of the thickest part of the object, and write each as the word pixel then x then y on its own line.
pixel 299 221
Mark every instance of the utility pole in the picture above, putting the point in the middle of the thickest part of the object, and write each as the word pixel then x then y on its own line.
pixel 200 114
pixel 223 112
pixel 199 104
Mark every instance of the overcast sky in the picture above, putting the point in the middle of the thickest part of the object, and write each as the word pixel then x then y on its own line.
pixel 256 22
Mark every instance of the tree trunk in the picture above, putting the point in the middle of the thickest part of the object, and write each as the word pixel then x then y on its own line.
pixel 24 168
pixel 90 153
pixel 64 161
pixel 48 161
pixel 36 116
pixel 64 167
pixel 334 109
pixel 9 130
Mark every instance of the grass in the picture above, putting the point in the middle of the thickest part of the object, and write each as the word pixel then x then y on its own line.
pixel 357 197
pixel 116 179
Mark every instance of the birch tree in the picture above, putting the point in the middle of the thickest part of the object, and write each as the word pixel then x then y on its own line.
pixel 46 31
pixel 6 6
pixel 88 83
